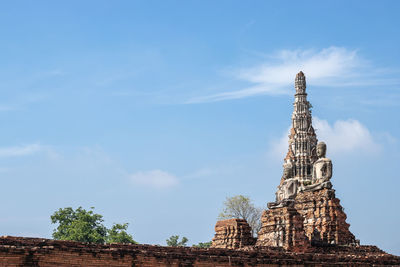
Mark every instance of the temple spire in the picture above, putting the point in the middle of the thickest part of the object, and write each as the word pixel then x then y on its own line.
pixel 300 83
pixel 302 139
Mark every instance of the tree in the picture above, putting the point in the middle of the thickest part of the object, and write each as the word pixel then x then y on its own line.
pixel 172 241
pixel 79 225
pixel 203 245
pixel 241 207
pixel 86 226
pixel 118 234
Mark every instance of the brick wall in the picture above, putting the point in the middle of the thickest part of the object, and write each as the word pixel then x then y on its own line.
pixel 18 251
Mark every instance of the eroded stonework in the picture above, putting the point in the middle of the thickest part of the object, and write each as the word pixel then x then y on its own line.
pixel 282 227
pixel 232 233
pixel 324 218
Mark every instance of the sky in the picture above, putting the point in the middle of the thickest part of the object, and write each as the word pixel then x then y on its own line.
pixel 154 112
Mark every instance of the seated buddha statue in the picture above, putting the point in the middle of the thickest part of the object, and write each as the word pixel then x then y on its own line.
pixel 287 190
pixel 322 170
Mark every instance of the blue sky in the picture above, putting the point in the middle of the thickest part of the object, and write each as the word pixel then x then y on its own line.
pixel 154 112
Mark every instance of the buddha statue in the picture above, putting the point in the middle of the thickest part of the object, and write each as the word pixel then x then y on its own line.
pixel 287 190
pixel 322 170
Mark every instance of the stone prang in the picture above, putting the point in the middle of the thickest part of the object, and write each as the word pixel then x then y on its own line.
pixel 310 214
pixel 306 212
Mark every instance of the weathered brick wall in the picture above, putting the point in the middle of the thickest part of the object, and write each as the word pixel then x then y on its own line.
pixel 16 251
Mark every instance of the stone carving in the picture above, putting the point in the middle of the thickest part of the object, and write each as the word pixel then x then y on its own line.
pixel 322 170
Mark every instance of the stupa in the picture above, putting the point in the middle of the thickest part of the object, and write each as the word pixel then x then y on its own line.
pixel 306 211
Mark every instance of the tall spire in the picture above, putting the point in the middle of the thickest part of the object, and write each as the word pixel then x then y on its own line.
pixel 302 139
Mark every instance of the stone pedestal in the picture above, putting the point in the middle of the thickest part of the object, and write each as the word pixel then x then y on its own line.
pixel 282 227
pixel 232 234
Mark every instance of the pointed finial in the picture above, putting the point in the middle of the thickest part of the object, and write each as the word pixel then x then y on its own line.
pixel 300 83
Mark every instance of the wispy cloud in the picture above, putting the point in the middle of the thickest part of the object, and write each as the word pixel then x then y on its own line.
pixel 343 136
pixel 154 178
pixel 333 66
pixel 17 151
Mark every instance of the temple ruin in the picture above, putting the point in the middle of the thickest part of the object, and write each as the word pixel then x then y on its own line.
pixel 305 211
pixel 304 226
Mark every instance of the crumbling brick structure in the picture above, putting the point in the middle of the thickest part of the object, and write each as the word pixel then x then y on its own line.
pixel 325 220
pixel 282 227
pixel 232 233
pixel 314 218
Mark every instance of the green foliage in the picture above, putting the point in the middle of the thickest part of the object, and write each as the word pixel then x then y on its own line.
pixel 173 241
pixel 79 225
pixel 203 245
pixel 86 226
pixel 241 207
pixel 118 234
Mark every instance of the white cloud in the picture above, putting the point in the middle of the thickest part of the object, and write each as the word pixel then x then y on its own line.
pixel 333 66
pixel 154 178
pixel 17 151
pixel 344 136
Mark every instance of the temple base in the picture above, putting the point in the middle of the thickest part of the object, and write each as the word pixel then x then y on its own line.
pixel 282 227
pixel 316 218
pixel 324 218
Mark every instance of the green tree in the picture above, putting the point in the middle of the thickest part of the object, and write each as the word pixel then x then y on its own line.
pixel 86 226
pixel 173 241
pixel 203 245
pixel 241 207
pixel 118 234
pixel 79 225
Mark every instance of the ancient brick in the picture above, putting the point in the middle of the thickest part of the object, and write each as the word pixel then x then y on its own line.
pixel 17 251
pixel 324 218
pixel 282 227
pixel 232 233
